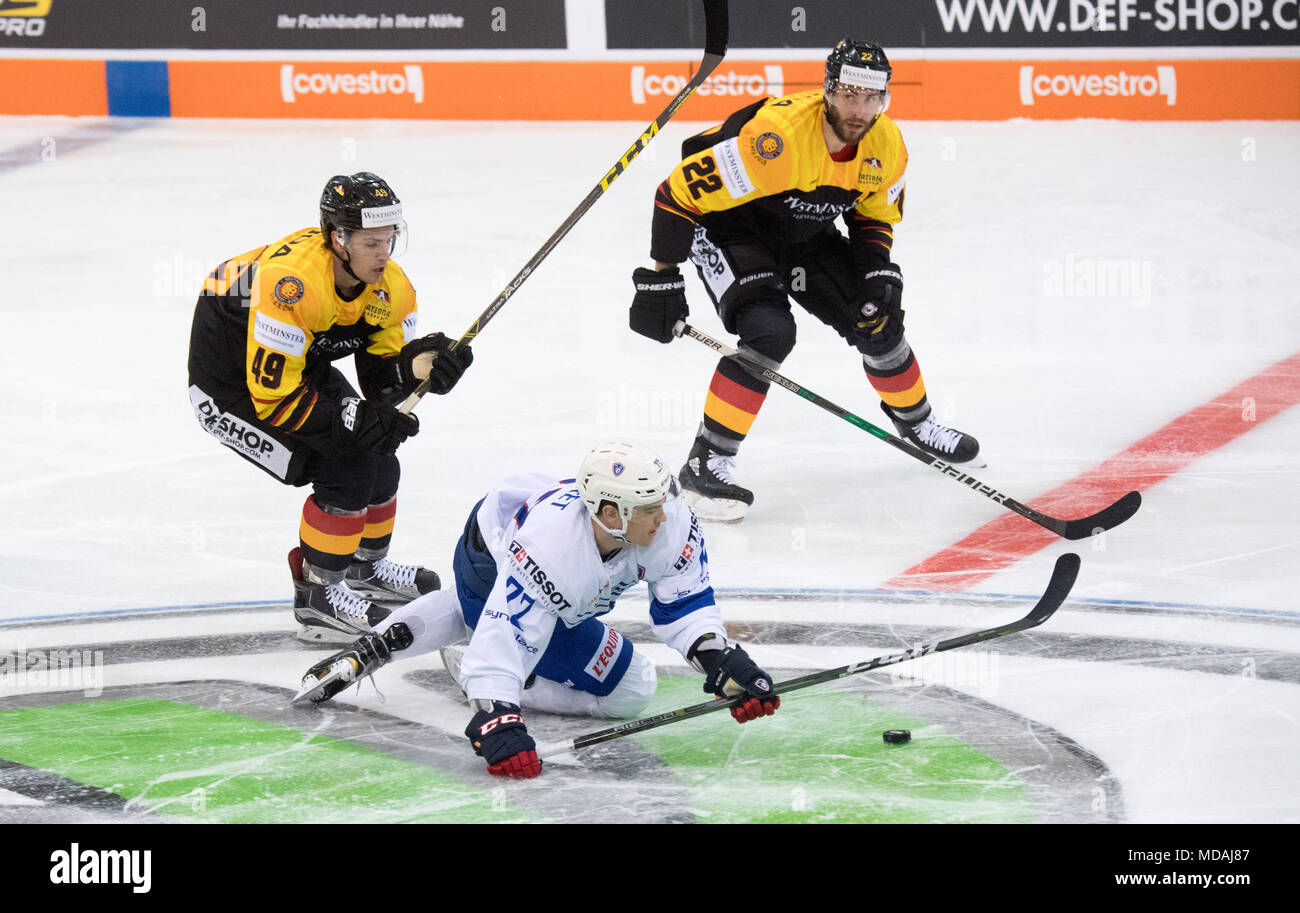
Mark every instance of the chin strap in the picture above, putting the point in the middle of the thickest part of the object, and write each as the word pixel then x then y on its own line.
pixel 620 535
pixel 347 268
pixel 346 261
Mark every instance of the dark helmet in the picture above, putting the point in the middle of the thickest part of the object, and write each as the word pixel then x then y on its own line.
pixel 361 200
pixel 859 56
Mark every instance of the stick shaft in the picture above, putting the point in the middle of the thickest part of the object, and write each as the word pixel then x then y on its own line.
pixel 1064 574
pixel 716 28
pixel 1104 519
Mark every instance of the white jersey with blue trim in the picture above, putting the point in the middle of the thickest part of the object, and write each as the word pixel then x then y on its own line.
pixel 549 570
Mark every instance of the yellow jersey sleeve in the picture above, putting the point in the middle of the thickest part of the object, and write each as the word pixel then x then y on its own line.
pixel 289 307
pixel 392 308
pixel 887 147
pixel 760 161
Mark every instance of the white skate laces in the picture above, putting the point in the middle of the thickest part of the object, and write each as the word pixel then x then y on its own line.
pixel 394 574
pixel 722 465
pixel 936 436
pixel 345 602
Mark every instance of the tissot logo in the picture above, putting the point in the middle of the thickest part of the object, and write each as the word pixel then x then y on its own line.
pixel 770 82
pixel 1034 85
pixel 409 81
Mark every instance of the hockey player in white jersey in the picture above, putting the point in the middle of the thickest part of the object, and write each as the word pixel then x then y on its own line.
pixel 539 561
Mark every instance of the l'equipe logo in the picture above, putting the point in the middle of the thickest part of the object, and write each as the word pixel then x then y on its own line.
pixel 410 81
pixel 1122 84
pixel 771 82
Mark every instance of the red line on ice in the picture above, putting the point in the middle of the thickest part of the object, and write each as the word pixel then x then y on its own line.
pixel 1010 538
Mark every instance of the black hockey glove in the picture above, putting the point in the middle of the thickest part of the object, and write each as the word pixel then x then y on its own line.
pixel 363 424
pixel 660 302
pixel 432 356
pixel 881 314
pixel 500 738
pixel 729 672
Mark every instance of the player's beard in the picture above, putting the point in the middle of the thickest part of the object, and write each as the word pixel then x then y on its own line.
pixel 849 135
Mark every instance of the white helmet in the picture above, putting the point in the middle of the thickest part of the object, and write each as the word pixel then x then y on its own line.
pixel 627 475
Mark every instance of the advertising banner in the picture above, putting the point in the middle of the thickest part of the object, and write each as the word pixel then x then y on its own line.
pixel 964 23
pixel 637 91
pixel 282 24
pixel 1046 89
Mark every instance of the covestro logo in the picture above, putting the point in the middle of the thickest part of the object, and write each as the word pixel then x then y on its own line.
pixel 648 84
pixel 409 80
pixel 1035 85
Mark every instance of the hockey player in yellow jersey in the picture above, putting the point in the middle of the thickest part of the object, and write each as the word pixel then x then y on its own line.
pixel 753 205
pixel 267 326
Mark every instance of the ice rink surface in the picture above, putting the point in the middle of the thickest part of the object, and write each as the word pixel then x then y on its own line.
pixel 1071 288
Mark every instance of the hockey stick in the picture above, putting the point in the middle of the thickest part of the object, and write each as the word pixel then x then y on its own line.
pixel 715 48
pixel 1081 528
pixel 1063 577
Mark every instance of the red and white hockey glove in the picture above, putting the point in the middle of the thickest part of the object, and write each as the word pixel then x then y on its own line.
pixel 729 672
pixel 499 736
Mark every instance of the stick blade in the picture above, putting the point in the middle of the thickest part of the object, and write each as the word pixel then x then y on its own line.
pixel 1064 574
pixel 1107 518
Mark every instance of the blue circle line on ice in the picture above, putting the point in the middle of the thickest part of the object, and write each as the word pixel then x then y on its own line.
pixel 777 593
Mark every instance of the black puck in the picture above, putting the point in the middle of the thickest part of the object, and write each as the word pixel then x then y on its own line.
pixel 898 736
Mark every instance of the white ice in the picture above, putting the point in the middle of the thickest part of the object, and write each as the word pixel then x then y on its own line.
pixel 114 500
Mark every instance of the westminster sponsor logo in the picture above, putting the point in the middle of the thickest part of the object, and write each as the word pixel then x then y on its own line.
pixel 78 866
pixel 278 335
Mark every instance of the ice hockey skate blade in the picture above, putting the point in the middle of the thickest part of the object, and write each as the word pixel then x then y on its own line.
pixel 715 510
pixel 451 657
pixel 311 692
pixel 316 634
pixel 379 596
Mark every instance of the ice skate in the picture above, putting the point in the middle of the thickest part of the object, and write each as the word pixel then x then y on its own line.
pixel 329 613
pixel 387 581
pixel 709 487
pixel 366 654
pixel 451 660
pixel 451 657
pixel 948 444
